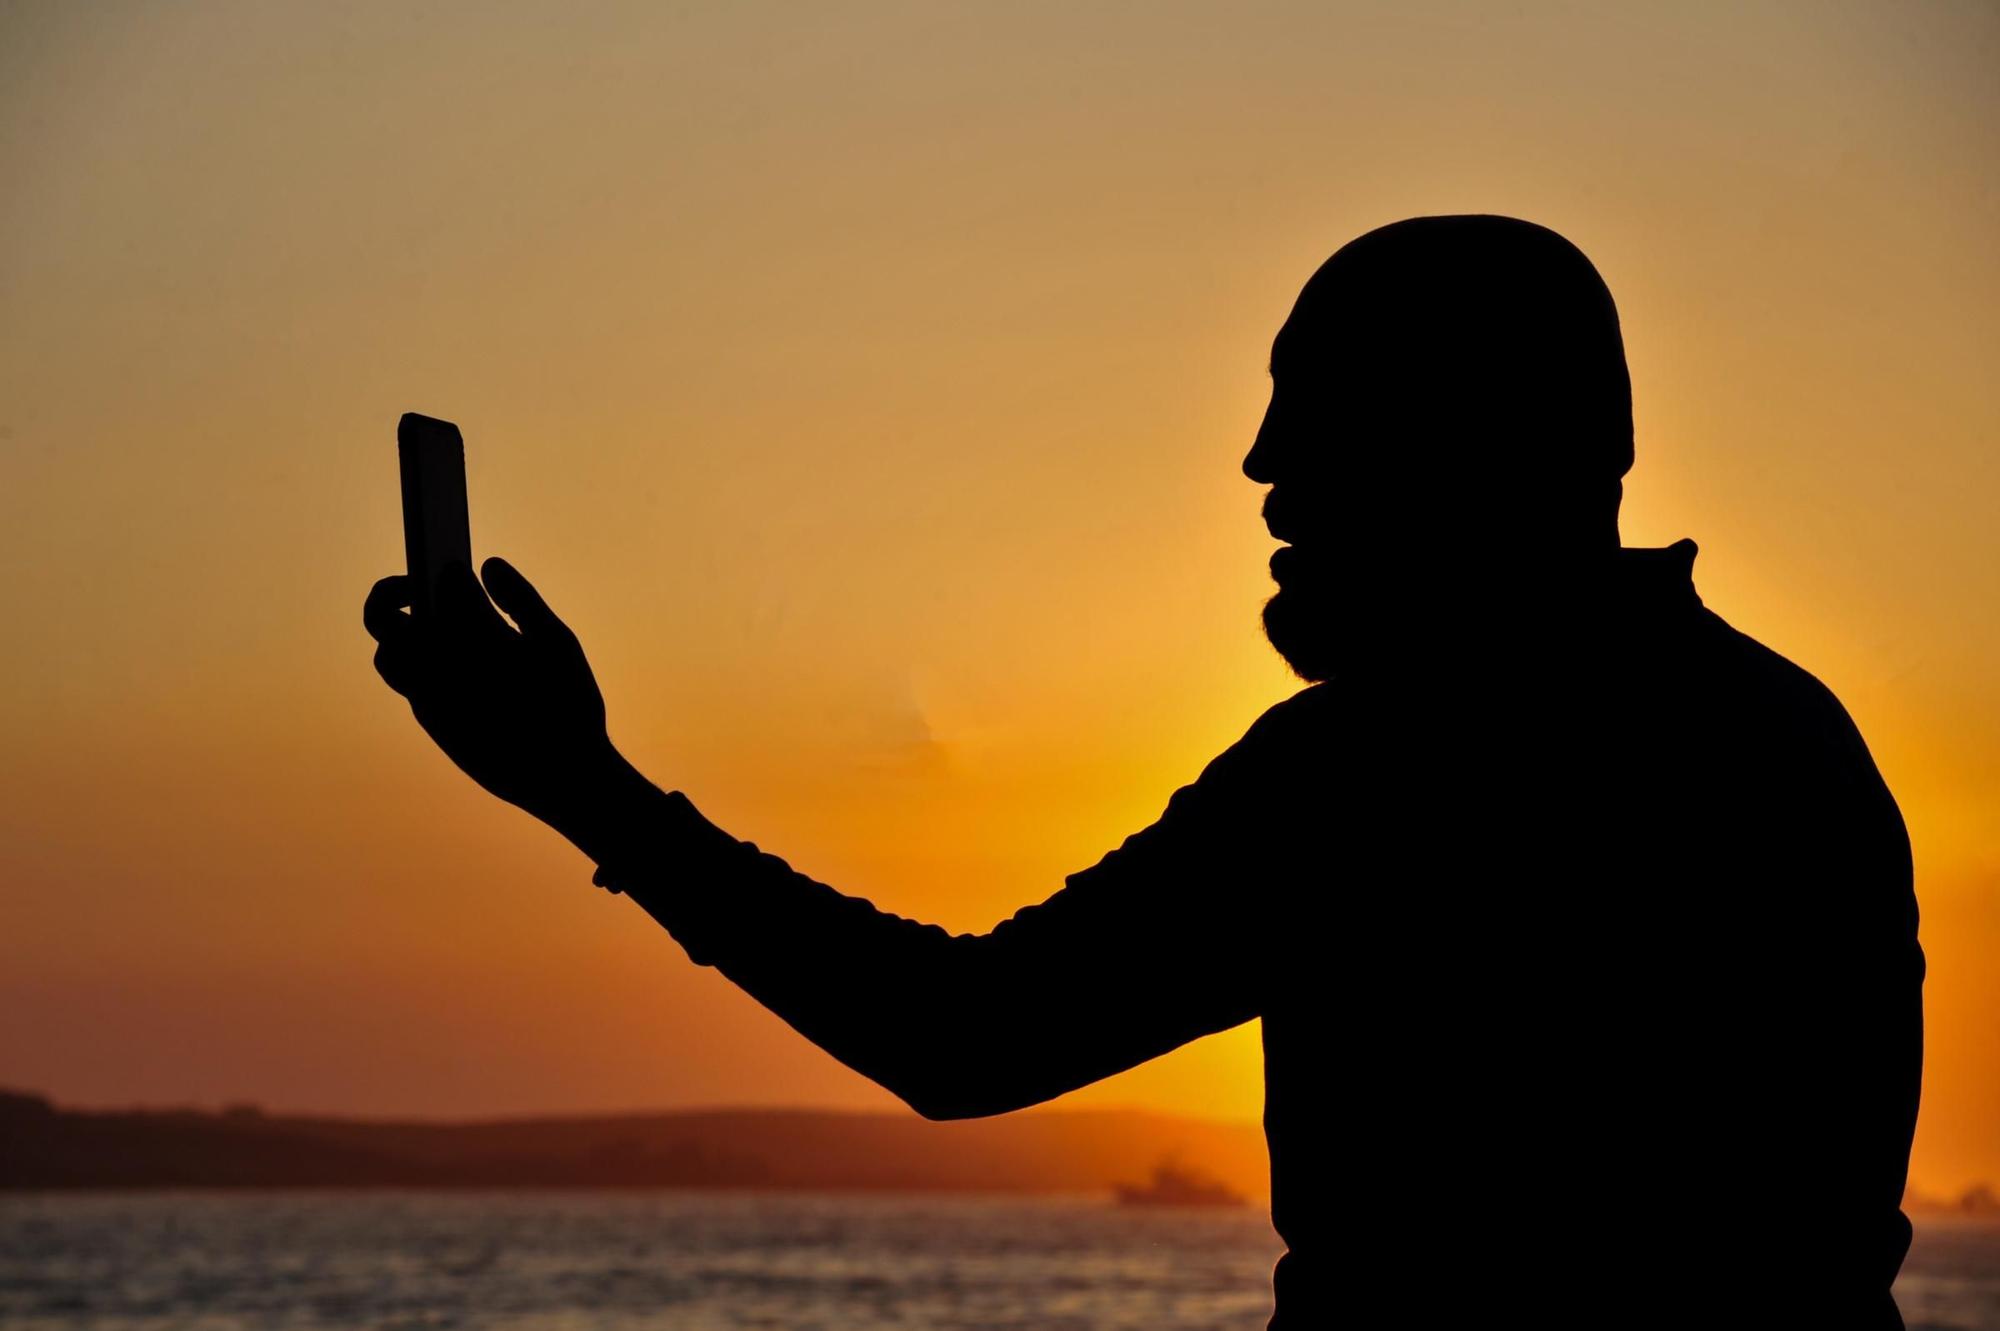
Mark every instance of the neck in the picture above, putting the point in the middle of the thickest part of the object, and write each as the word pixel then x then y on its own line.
pixel 1500 605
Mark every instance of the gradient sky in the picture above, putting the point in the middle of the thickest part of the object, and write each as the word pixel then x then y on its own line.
pixel 867 386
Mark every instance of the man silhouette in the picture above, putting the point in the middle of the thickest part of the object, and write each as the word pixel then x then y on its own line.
pixel 1580 924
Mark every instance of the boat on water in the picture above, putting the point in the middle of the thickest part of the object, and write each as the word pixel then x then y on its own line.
pixel 1176 1185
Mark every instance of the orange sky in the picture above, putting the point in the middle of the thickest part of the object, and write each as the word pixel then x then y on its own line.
pixel 868 390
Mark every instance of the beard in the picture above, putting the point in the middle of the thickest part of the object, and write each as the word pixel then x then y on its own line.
pixel 1350 613
pixel 1393 624
pixel 1303 629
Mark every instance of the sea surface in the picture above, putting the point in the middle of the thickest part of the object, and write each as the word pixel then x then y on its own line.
pixel 577 1261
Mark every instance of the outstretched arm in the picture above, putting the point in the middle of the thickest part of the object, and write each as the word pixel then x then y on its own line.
pixel 1151 948
pixel 1143 952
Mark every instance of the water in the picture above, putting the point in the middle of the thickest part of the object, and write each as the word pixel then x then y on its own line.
pixel 539 1261
pixel 1951 1279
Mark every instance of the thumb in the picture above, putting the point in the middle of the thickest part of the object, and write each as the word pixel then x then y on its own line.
pixel 518 597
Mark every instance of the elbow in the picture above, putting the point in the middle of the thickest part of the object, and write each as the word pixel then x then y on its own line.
pixel 972 1048
pixel 941 1110
pixel 944 1094
pixel 947 1107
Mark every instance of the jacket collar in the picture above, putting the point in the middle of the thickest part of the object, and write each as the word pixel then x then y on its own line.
pixel 1525 614
pixel 1656 577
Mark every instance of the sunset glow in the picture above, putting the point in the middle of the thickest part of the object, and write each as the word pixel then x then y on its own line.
pixel 868 393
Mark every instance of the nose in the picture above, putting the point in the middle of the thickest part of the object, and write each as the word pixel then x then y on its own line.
pixel 1259 462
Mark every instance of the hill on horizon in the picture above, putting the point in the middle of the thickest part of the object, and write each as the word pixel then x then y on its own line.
pixel 43 1145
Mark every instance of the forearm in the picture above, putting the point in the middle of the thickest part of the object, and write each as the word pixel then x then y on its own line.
pixel 1129 960
pixel 617 813
pixel 916 1009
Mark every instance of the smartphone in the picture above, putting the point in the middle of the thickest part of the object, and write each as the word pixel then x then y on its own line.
pixel 437 529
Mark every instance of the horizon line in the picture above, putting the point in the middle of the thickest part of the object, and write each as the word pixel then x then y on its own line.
pixel 248 1107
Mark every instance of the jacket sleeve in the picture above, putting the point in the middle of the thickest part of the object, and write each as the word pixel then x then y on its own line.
pixel 1860 1054
pixel 1152 947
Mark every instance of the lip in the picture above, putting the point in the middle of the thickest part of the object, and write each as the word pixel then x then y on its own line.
pixel 1277 520
pixel 1285 558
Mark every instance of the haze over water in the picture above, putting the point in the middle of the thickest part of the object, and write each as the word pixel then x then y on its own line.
pixel 709 1262
pixel 910 353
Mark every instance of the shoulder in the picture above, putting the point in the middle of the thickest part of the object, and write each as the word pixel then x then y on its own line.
pixel 1285 739
pixel 1790 705
pixel 1771 680
pixel 1298 720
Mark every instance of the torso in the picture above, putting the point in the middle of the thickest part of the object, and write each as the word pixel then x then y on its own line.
pixel 1539 1030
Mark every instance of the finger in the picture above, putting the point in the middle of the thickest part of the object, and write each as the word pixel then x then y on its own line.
pixel 518 597
pixel 397 669
pixel 463 611
pixel 382 611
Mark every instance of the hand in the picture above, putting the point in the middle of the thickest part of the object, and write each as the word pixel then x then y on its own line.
pixel 517 709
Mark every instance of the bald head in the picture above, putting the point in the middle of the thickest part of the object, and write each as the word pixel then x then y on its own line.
pixel 1443 384
pixel 1487 325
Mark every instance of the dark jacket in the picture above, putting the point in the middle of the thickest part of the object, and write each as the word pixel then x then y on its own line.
pixel 1587 963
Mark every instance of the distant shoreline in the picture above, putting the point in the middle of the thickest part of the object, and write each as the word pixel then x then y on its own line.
pixel 45 1147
